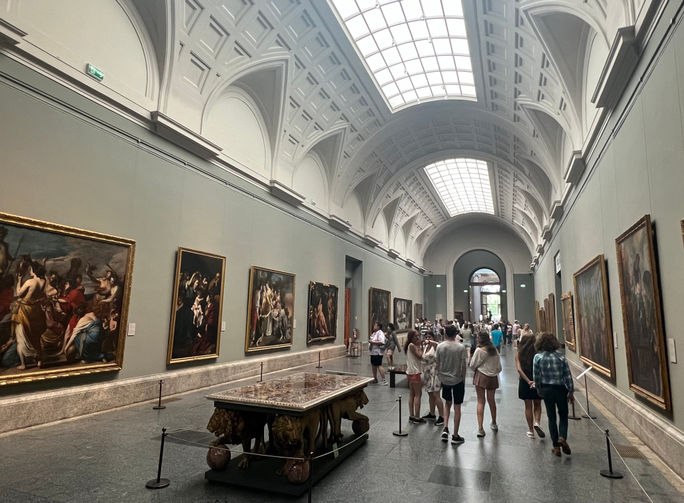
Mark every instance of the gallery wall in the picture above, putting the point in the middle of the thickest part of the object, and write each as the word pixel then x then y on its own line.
pixel 72 162
pixel 637 169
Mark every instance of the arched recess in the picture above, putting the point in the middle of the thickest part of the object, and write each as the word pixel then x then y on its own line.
pixel 564 29
pixel 265 83
pixel 553 128
pixel 71 35
pixel 328 147
pixel 235 123
pixel 461 275
pixel 310 180
pixel 594 60
pixel 398 240
pixel 379 230
pixel 353 213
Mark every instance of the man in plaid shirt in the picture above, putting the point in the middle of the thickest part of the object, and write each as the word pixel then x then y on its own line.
pixel 553 381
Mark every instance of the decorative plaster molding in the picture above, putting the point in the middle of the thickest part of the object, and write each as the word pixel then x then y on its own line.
pixel 547 233
pixel 621 62
pixel 339 222
pixel 540 251
pixel 410 262
pixel 556 211
pixel 371 241
pixel 575 168
pixel 421 269
pixel 10 34
pixel 185 138
pixel 282 191
pixel 393 253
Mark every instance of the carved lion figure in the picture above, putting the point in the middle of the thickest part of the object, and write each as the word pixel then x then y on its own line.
pixel 346 408
pixel 234 427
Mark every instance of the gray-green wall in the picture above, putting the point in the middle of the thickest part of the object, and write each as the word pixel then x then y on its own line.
pixel 69 161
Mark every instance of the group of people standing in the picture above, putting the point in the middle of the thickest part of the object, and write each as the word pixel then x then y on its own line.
pixel 439 368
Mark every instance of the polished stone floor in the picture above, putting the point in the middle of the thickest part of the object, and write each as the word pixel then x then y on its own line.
pixel 109 457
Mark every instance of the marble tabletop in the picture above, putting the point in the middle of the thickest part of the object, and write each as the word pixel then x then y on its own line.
pixel 296 392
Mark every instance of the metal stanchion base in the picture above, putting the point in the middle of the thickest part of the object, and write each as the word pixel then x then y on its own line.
pixel 611 475
pixel 575 418
pixel 400 433
pixel 159 407
pixel 157 484
pixel 588 416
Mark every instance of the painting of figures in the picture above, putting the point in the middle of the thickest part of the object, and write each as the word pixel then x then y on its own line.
pixel 594 328
pixel 418 312
pixel 378 308
pixel 270 311
pixel 322 313
pixel 63 300
pixel 642 314
pixel 196 308
pixel 402 314
pixel 568 321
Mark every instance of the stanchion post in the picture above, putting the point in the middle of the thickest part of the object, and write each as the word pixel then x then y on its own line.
pixel 159 405
pixel 586 396
pixel 261 373
pixel 319 361
pixel 574 416
pixel 609 473
pixel 400 433
pixel 159 482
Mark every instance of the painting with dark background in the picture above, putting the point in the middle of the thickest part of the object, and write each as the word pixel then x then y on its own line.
pixel 418 311
pixel 594 328
pixel 196 307
pixel 270 311
pixel 64 296
pixel 568 321
pixel 403 311
pixel 378 308
pixel 642 314
pixel 322 312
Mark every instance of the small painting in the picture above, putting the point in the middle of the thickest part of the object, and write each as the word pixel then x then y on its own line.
pixel 322 313
pixel 642 314
pixel 64 296
pixel 568 321
pixel 594 329
pixel 418 312
pixel 403 309
pixel 196 307
pixel 378 308
pixel 270 311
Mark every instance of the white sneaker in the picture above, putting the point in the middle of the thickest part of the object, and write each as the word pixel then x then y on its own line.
pixel 385 383
pixel 495 427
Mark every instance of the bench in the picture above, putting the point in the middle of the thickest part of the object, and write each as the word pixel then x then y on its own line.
pixel 398 369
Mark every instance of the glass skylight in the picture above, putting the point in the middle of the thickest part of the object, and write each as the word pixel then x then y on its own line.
pixel 416 50
pixel 463 185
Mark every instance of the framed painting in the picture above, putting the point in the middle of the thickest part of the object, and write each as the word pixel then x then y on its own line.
pixel 64 295
pixel 551 315
pixel 594 329
pixel 378 307
pixel 545 316
pixel 568 321
pixel 417 312
pixel 322 313
pixel 537 316
pixel 642 314
pixel 197 304
pixel 403 310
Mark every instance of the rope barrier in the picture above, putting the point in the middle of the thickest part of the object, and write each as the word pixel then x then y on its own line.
pixel 616 451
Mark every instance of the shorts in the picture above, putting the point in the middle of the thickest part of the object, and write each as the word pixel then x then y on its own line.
pixel 376 360
pixel 483 381
pixel 413 378
pixel 453 393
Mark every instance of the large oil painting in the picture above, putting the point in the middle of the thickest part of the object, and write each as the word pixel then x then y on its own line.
pixel 418 312
pixel 568 321
pixel 270 311
pixel 64 296
pixel 196 307
pixel 378 307
pixel 642 314
pixel 322 313
pixel 402 314
pixel 594 329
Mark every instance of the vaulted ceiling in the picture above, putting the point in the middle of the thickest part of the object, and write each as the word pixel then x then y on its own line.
pixel 207 68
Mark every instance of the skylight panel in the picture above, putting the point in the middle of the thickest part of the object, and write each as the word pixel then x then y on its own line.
pixel 411 38
pixel 463 185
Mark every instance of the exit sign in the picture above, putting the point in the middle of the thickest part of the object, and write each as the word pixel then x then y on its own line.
pixel 94 72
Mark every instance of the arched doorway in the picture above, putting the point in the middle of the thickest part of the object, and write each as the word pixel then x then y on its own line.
pixel 485 295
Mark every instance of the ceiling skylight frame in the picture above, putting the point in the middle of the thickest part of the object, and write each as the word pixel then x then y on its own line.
pixel 463 185
pixel 415 50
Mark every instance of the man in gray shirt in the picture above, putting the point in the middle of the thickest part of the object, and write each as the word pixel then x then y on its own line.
pixel 451 369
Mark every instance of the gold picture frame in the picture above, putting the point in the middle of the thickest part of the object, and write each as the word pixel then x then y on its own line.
pixel 322 313
pixel 402 314
pixel 568 321
pixel 70 292
pixel 269 290
pixel 197 308
pixel 594 329
pixel 642 314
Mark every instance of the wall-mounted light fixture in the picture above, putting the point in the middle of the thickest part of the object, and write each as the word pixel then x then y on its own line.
pixel 522 285
pixel 465 291
pixel 503 291
pixel 438 285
